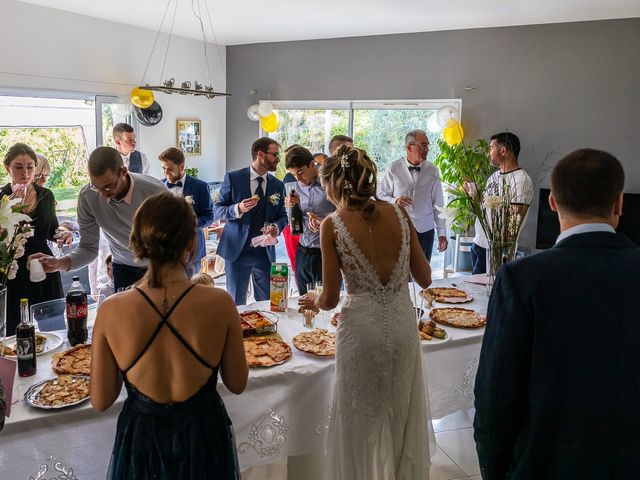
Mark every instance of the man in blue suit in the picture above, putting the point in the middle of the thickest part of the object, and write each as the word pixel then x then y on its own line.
pixel 249 198
pixel 195 191
pixel 558 383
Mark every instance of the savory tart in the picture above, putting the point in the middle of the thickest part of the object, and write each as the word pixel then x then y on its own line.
pixel 428 330
pixel 265 352
pixel 61 391
pixel 446 295
pixel 319 342
pixel 10 350
pixel 458 317
pixel 335 319
pixel 75 361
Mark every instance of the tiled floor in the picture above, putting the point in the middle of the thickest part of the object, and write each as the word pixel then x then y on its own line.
pixel 456 457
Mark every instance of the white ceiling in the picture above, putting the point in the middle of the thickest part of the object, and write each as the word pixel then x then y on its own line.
pixel 258 21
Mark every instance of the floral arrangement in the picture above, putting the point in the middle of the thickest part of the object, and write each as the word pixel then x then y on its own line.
pixel 15 229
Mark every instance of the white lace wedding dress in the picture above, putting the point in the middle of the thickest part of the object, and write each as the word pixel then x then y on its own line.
pixel 378 425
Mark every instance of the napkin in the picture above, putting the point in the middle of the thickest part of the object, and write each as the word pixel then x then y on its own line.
pixel 7 375
pixel 263 241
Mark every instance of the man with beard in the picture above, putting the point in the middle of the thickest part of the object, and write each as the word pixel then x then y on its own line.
pixel 252 203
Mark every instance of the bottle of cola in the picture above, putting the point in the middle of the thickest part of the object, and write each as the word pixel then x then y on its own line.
pixel 77 311
pixel 295 217
pixel 26 342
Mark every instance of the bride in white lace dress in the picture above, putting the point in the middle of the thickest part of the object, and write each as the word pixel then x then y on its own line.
pixel 378 426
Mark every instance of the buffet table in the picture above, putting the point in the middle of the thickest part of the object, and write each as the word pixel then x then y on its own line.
pixel 283 412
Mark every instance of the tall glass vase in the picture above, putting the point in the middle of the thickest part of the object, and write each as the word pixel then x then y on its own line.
pixel 3 318
pixel 498 254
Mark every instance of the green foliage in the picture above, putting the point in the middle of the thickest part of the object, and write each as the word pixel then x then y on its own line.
pixel 459 164
pixel 191 171
pixel 64 147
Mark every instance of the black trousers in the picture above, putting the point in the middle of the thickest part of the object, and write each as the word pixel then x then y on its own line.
pixel 426 242
pixel 308 267
pixel 125 275
pixel 478 259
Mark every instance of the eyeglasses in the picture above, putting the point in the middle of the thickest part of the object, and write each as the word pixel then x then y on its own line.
pixel 107 188
pixel 275 154
pixel 424 146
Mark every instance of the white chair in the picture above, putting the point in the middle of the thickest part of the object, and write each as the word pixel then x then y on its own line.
pixel 50 316
pixel 462 245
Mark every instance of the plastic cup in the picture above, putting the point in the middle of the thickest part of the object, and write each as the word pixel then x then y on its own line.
pixel 36 271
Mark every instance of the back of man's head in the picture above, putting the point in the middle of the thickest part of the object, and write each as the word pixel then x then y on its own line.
pixel 587 182
pixel 509 140
pixel 298 157
pixel 103 160
pixel 338 140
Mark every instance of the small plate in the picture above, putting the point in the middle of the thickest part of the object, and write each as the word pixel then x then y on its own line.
pixel 436 341
pixel 31 394
pixel 53 342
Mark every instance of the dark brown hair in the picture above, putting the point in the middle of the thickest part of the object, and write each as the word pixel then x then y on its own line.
pixel 17 150
pixel 262 145
pixel 339 138
pixel 297 157
pixel 173 155
pixel 587 182
pixel 104 159
pixel 351 175
pixel 164 228
pixel 122 128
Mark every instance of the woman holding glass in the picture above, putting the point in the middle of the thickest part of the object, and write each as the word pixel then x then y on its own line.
pixel 167 343
pixel 21 162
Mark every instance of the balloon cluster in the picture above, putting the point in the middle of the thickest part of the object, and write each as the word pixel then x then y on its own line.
pixel 263 111
pixel 146 110
pixel 447 120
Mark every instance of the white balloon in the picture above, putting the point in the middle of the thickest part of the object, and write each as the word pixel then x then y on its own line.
pixel 265 109
pixel 252 113
pixel 432 123
pixel 446 114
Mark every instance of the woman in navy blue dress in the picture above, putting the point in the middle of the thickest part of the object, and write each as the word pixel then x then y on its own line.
pixel 167 343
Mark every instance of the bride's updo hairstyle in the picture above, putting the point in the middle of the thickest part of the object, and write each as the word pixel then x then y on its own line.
pixel 351 175
pixel 164 229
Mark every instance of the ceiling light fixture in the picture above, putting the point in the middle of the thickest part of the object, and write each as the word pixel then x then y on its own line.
pixel 169 86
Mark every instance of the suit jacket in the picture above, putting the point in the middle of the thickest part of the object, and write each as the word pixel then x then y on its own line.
pixel 558 383
pixel 397 179
pixel 203 208
pixel 235 188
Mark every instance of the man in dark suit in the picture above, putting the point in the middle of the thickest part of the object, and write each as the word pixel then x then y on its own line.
pixel 124 137
pixel 557 389
pixel 195 191
pixel 249 198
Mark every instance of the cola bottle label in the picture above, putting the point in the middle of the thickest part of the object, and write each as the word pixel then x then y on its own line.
pixel 77 310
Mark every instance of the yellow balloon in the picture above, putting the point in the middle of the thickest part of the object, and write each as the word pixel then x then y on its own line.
pixel 269 123
pixel 142 98
pixel 453 135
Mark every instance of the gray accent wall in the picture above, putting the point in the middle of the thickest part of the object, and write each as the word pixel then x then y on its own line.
pixel 559 87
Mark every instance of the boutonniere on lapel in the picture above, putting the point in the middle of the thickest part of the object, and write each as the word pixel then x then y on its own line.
pixel 274 199
pixel 189 199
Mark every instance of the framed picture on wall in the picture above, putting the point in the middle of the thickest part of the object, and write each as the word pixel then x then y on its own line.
pixel 188 136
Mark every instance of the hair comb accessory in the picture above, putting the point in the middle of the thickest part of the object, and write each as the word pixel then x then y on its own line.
pixel 344 161
pixel 346 185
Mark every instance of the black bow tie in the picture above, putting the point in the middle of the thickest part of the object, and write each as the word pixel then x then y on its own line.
pixel 177 184
pixel 414 169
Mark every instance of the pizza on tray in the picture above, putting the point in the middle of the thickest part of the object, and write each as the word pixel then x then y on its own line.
pixel 319 342
pixel 61 391
pixel 265 352
pixel 446 295
pixel 75 361
pixel 457 317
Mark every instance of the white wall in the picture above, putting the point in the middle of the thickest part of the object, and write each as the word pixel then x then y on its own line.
pixel 42 49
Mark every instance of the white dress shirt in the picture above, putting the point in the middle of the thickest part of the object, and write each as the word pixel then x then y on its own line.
pixel 177 191
pixel 585 228
pixel 145 162
pixel 398 180
pixel 253 185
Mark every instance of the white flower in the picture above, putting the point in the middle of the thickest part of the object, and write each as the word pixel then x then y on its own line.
pixel 492 201
pixel 19 251
pixel 8 218
pixel 448 214
pixel 274 199
pixel 13 270
pixel 189 199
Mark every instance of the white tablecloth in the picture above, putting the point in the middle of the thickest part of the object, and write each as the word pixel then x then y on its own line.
pixel 283 412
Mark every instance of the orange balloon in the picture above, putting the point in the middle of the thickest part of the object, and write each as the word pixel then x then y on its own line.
pixel 453 135
pixel 269 123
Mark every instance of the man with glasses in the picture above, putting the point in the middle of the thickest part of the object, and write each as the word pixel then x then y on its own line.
pixel 252 203
pixel 414 184
pixel 109 203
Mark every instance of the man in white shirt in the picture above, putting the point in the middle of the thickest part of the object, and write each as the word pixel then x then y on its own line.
pixel 125 138
pixel 504 149
pixel 414 183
